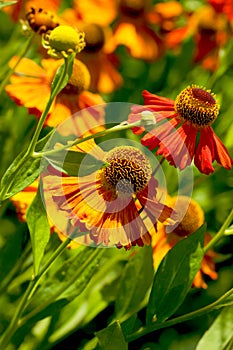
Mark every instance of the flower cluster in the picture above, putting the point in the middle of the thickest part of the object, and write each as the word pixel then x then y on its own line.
pixel 122 203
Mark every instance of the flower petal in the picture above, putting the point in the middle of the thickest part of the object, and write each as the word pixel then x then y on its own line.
pixel 205 152
pixel 221 154
pixel 157 103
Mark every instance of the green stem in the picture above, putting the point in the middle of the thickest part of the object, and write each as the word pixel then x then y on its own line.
pixel 213 306
pixel 220 233
pixel 28 294
pixel 21 55
pixel 40 124
pixel 96 254
pixel 36 135
pixel 116 128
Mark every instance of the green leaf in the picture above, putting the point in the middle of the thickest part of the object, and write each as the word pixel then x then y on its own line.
pixel 66 282
pixel 112 338
pixel 219 335
pixel 174 277
pixel 74 163
pixel 62 75
pixel 136 279
pixel 39 229
pixel 17 178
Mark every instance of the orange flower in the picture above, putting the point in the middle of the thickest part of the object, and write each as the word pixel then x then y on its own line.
pixel 133 30
pixel 180 122
pixel 191 218
pixel 23 200
pixel 101 64
pixel 117 203
pixel 167 16
pixel 210 35
pixel 31 86
pixel 21 7
pixel 101 12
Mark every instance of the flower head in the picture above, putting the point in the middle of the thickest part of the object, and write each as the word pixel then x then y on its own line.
pixel 196 106
pixel 179 123
pixel 31 86
pixel 63 41
pixel 190 217
pixel 41 21
pixel 132 29
pixel 117 203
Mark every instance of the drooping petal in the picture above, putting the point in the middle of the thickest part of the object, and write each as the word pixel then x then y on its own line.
pixel 120 227
pixel 178 147
pixel 221 154
pixel 205 152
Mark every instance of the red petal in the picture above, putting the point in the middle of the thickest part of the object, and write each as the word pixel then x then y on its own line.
pixel 158 103
pixel 205 152
pixel 178 147
pixel 221 154
pixel 153 138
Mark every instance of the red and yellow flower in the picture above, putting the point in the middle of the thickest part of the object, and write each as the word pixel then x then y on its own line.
pixel 191 218
pixel 184 129
pixel 31 87
pixel 117 203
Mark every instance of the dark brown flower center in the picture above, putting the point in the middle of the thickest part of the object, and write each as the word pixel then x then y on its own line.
pixel 132 7
pixel 197 106
pixel 94 37
pixel 128 171
pixel 41 21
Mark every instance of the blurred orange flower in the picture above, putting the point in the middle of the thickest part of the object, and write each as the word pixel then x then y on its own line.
pixel 101 64
pixel 31 86
pixel 210 35
pixel 132 29
pixel 23 199
pixel 21 7
pixel 101 12
pixel 191 218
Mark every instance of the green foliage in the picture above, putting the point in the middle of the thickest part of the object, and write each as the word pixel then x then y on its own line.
pixel 220 335
pixel 39 229
pixel 174 277
pixel 106 336
pixel 134 284
pixel 111 299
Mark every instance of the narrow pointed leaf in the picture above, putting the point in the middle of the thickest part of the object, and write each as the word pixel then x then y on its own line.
pixel 39 230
